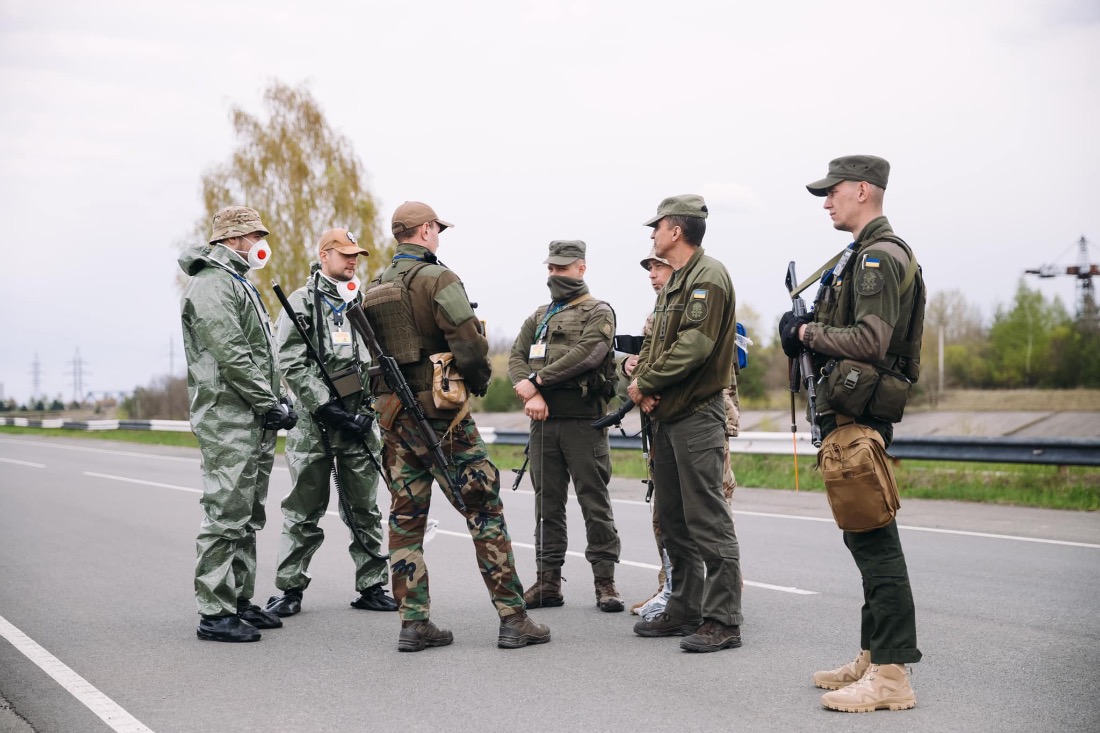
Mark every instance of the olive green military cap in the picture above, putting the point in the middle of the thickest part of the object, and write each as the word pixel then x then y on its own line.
pixel 340 240
pixel 652 257
pixel 236 221
pixel 688 204
pixel 565 251
pixel 412 214
pixel 874 170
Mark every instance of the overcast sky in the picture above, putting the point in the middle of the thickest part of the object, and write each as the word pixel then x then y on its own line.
pixel 523 122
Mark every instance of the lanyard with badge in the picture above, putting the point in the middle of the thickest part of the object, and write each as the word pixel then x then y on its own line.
pixel 538 348
pixel 347 381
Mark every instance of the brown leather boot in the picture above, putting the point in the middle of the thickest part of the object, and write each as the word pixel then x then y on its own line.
pixel 834 679
pixel 416 635
pixel 882 687
pixel 712 636
pixel 519 630
pixel 546 592
pixel 607 597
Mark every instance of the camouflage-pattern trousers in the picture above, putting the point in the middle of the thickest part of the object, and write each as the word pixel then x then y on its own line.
pixel 308 500
pixel 237 455
pixel 410 468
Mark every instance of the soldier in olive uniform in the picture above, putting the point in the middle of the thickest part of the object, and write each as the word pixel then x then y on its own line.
pixel 869 308
pixel 418 307
pixel 235 395
pixel 329 429
pixel 683 370
pixel 562 367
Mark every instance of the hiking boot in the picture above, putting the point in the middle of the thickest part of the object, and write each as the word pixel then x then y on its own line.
pixel 834 679
pixel 712 636
pixel 882 686
pixel 226 628
pixel 519 630
pixel 664 625
pixel 258 617
pixel 288 604
pixel 415 635
pixel 607 597
pixel 374 599
pixel 546 592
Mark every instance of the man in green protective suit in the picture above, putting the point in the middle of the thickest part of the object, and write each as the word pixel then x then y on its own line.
pixel 237 409
pixel 332 427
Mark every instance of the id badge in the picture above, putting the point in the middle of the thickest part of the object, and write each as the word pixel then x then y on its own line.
pixel 538 351
pixel 341 338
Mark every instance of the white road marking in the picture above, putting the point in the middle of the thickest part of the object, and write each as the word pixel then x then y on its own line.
pixel 646 565
pixel 22 463
pixel 143 483
pixel 107 709
pixel 84 449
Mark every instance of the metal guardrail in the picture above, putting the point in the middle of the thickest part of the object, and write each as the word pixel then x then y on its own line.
pixel 1045 451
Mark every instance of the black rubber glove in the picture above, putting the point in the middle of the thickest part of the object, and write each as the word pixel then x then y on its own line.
pixel 281 416
pixel 335 416
pixel 788 333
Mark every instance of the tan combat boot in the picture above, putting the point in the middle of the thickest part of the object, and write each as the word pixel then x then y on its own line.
pixel 834 679
pixel 607 597
pixel 882 686
pixel 546 592
pixel 518 630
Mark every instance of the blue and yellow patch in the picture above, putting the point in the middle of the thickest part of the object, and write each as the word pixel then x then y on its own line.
pixel 699 294
pixel 870 262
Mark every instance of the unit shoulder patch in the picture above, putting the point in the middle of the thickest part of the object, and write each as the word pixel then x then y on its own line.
pixel 869 282
pixel 697 310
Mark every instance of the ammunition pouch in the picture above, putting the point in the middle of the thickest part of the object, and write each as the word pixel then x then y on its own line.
pixel 859 479
pixel 448 385
pixel 857 389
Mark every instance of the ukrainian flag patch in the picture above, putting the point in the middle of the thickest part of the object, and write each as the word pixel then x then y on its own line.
pixel 699 294
pixel 870 261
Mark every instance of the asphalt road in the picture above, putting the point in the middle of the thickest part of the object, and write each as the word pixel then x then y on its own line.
pixel 97 541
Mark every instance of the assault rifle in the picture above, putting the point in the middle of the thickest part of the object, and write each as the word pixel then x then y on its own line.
pixel 802 368
pixel 522 469
pixel 345 503
pixel 632 345
pixel 396 381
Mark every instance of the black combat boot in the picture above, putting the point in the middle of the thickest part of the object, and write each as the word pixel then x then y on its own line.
pixel 253 614
pixel 664 625
pixel 712 636
pixel 288 604
pixel 226 628
pixel 519 630
pixel 374 599
pixel 416 635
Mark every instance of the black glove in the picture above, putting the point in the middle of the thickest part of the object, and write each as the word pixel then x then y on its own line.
pixel 788 333
pixel 335 416
pixel 281 416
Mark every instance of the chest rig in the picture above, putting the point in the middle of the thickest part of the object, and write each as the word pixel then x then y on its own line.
pixel 388 306
pixel 561 331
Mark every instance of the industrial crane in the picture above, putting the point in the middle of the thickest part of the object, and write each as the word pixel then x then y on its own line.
pixel 1084 271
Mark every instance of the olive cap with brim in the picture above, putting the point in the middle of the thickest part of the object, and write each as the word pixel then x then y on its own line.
pixel 236 221
pixel 652 257
pixel 870 168
pixel 412 214
pixel 565 252
pixel 688 204
pixel 340 240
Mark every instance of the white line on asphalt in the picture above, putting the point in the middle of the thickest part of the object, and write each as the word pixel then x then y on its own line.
pixel 22 463
pixel 647 566
pixel 143 483
pixel 107 709
pixel 82 449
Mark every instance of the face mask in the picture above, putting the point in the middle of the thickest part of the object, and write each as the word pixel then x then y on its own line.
pixel 348 290
pixel 259 254
pixel 565 288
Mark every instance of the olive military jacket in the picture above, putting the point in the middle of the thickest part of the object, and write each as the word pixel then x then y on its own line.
pixel 577 340
pixel 341 345
pixel 688 358
pixel 227 338
pixel 867 311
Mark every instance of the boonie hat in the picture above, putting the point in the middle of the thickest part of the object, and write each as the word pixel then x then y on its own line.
pixel 870 168
pixel 412 214
pixel 652 257
pixel 340 240
pixel 236 221
pixel 565 251
pixel 688 204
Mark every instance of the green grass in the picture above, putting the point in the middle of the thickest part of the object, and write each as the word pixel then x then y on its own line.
pixel 1051 487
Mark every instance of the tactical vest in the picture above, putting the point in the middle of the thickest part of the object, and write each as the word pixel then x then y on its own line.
pixel 389 309
pixel 835 306
pixel 563 332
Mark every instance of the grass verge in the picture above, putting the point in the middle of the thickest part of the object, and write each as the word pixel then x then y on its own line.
pixel 1050 487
